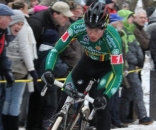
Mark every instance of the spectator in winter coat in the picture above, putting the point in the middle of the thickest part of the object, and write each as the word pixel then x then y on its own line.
pixel 21 5
pixel 56 15
pixel 22 63
pixel 140 34
pixel 134 57
pixel 5 64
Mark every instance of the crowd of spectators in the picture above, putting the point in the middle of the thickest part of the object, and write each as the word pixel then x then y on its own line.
pixel 30 29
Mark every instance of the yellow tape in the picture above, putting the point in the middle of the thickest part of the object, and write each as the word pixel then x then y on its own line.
pixel 28 80
pixel 59 79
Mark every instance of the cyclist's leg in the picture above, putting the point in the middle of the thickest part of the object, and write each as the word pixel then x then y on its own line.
pixel 104 119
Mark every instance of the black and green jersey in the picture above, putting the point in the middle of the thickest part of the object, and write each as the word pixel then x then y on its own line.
pixel 108 47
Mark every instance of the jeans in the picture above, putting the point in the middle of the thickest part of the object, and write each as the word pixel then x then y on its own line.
pixel 2 95
pixel 13 99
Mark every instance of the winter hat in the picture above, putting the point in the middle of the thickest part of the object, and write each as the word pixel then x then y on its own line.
pixel 115 17
pixel 125 13
pixel 109 1
pixel 151 13
pixel 17 17
pixel 50 36
pixel 5 10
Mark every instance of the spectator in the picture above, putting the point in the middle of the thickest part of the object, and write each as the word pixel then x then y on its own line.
pixel 57 15
pixel 16 51
pixel 5 64
pixel 32 47
pixel 134 58
pixel 111 6
pixel 141 36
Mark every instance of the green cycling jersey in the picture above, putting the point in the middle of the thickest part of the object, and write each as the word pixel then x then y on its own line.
pixel 108 47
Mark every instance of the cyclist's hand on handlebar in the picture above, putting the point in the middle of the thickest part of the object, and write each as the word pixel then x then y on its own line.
pixel 100 101
pixel 48 77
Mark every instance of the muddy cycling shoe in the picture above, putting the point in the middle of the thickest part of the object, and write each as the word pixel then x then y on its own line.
pixel 146 121
pixel 90 128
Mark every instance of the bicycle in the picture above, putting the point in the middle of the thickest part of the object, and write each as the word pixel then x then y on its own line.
pixel 66 119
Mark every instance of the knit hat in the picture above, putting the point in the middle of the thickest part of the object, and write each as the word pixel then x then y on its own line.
pixel 17 17
pixel 50 36
pixel 5 10
pixel 109 1
pixel 115 17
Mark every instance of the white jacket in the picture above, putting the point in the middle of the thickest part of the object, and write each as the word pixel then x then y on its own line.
pixel 19 52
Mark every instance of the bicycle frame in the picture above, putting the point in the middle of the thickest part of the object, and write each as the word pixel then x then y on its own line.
pixel 70 100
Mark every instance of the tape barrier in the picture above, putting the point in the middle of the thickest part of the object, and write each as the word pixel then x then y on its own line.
pixel 63 79
pixel 29 80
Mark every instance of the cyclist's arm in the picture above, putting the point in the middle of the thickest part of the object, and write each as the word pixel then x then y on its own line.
pixel 59 47
pixel 116 58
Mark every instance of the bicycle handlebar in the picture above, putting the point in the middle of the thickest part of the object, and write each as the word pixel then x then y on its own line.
pixel 60 85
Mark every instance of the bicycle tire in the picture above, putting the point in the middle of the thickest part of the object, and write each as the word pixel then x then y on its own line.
pixel 83 122
pixel 85 114
pixel 57 123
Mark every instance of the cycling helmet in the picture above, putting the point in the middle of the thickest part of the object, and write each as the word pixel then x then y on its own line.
pixel 97 16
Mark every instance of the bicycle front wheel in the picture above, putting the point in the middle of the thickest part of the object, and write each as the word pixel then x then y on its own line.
pixel 57 123
pixel 84 117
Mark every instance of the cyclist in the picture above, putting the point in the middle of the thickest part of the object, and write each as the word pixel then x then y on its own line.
pixel 102 59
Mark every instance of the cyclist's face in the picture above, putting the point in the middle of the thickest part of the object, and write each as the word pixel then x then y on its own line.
pixel 94 34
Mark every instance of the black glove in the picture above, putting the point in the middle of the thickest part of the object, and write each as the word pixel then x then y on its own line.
pixel 34 75
pixel 9 78
pixel 48 77
pixel 100 101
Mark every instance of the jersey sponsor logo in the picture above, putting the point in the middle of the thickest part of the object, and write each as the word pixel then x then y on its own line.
pixel 86 38
pixel 115 52
pixel 110 41
pixel 69 85
pixel 98 48
pixel 116 59
pixel 78 26
pixel 65 36
pixel 70 31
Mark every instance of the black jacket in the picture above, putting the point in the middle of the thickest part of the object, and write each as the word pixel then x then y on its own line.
pixel 40 22
pixel 153 46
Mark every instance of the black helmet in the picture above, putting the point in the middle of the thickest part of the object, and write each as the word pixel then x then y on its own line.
pixel 97 16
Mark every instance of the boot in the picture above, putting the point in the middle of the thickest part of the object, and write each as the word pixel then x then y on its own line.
pixel 5 122
pixel 13 122
pixel 146 121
